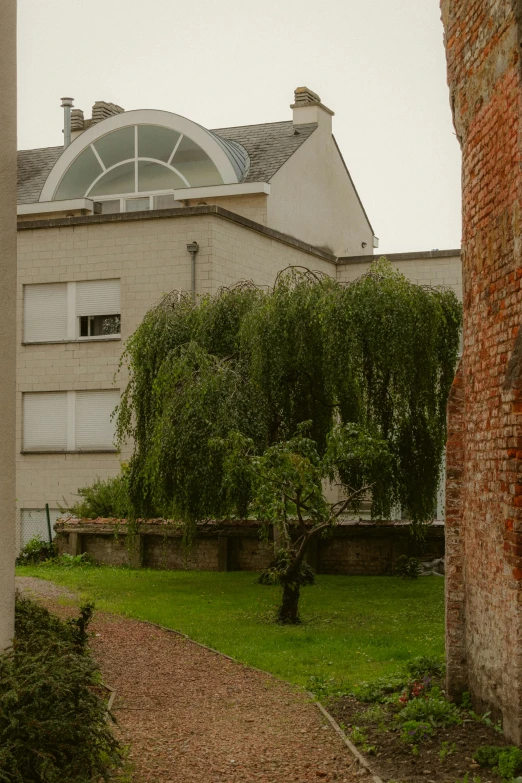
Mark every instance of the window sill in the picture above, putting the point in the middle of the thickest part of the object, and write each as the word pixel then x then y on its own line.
pixel 65 451
pixel 111 339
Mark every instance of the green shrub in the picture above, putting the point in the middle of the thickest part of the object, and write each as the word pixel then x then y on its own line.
pixel 70 561
pixel 434 709
pixel 109 498
pixel 425 666
pixel 53 723
pixel 414 731
pixel 507 761
pixel 380 688
pixel 36 551
pixel 407 567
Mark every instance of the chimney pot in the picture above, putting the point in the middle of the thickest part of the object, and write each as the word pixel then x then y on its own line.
pixel 77 120
pixel 101 110
pixel 308 109
pixel 304 96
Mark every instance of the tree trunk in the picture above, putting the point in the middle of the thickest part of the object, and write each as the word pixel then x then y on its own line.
pixel 289 610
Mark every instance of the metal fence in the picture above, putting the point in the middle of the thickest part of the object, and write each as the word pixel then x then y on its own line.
pixel 33 522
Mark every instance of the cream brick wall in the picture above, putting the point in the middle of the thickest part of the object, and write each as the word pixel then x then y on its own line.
pixel 422 271
pixel 239 253
pixel 150 258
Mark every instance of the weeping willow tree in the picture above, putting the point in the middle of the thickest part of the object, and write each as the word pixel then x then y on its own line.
pixel 379 354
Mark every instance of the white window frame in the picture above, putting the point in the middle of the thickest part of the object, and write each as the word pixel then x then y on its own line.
pixel 123 197
pixel 209 143
pixel 70 403
pixel 73 320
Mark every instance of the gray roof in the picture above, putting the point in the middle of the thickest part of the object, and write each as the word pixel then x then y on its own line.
pixel 268 147
pixel 33 169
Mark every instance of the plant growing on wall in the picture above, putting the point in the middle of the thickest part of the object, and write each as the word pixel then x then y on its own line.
pixel 379 353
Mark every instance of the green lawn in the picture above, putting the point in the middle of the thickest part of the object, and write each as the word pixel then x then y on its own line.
pixel 354 628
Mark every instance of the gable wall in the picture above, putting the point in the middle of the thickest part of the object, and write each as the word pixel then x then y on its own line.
pixel 312 198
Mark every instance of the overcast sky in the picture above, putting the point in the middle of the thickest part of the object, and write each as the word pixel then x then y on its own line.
pixel 378 64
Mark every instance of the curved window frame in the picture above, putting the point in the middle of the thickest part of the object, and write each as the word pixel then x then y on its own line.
pixel 199 135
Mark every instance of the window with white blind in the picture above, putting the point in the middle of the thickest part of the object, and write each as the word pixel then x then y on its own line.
pixel 56 312
pixel 69 421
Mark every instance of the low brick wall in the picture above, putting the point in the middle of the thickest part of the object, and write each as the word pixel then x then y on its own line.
pixel 356 548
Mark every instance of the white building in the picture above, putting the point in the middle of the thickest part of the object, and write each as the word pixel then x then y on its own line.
pixel 140 203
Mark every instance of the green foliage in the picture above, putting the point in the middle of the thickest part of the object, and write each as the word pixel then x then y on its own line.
pixel 380 688
pixel 353 630
pixel 433 708
pixel 465 702
pixel 414 731
pixel 53 725
pixel 272 574
pixel 379 353
pixel 104 498
pixel 35 551
pixel 425 666
pixel 407 567
pixel 447 749
pixel 507 761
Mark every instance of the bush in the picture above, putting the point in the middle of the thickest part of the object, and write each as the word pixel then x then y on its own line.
pixel 407 567
pixel 507 761
pixel 433 708
pixel 425 666
pixel 53 723
pixel 70 561
pixel 109 498
pixel 35 551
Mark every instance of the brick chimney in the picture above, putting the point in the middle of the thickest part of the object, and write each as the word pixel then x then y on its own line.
pixel 308 109
pixel 100 111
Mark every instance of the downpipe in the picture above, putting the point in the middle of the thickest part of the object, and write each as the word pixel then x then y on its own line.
pixel 193 249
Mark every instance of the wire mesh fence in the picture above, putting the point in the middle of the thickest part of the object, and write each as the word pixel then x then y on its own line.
pixel 33 522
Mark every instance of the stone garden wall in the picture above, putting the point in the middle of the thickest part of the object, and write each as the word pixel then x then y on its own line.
pixel 355 548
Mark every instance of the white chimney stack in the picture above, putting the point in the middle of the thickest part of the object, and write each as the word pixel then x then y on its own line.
pixel 308 109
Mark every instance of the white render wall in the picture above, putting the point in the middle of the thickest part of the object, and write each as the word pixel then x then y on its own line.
pixel 313 198
pixel 7 307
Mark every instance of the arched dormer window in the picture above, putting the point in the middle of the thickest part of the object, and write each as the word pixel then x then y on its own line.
pixel 143 152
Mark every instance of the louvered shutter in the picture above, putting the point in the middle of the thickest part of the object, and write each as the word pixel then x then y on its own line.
pixel 45 312
pixel 94 427
pixel 98 297
pixel 45 421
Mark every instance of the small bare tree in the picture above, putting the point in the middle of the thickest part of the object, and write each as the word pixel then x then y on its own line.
pixel 287 490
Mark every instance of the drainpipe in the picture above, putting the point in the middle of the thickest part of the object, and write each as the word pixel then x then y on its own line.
pixel 193 249
pixel 67 104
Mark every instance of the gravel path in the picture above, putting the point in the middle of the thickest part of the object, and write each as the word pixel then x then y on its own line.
pixel 193 716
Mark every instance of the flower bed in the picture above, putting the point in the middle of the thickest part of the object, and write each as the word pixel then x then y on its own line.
pixel 412 734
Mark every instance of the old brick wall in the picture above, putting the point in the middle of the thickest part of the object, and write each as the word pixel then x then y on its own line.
pixel 484 511
pixel 366 549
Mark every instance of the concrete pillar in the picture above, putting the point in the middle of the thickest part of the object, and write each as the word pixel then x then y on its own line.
pixel 75 544
pixel 8 320
pixel 136 551
pixel 222 553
